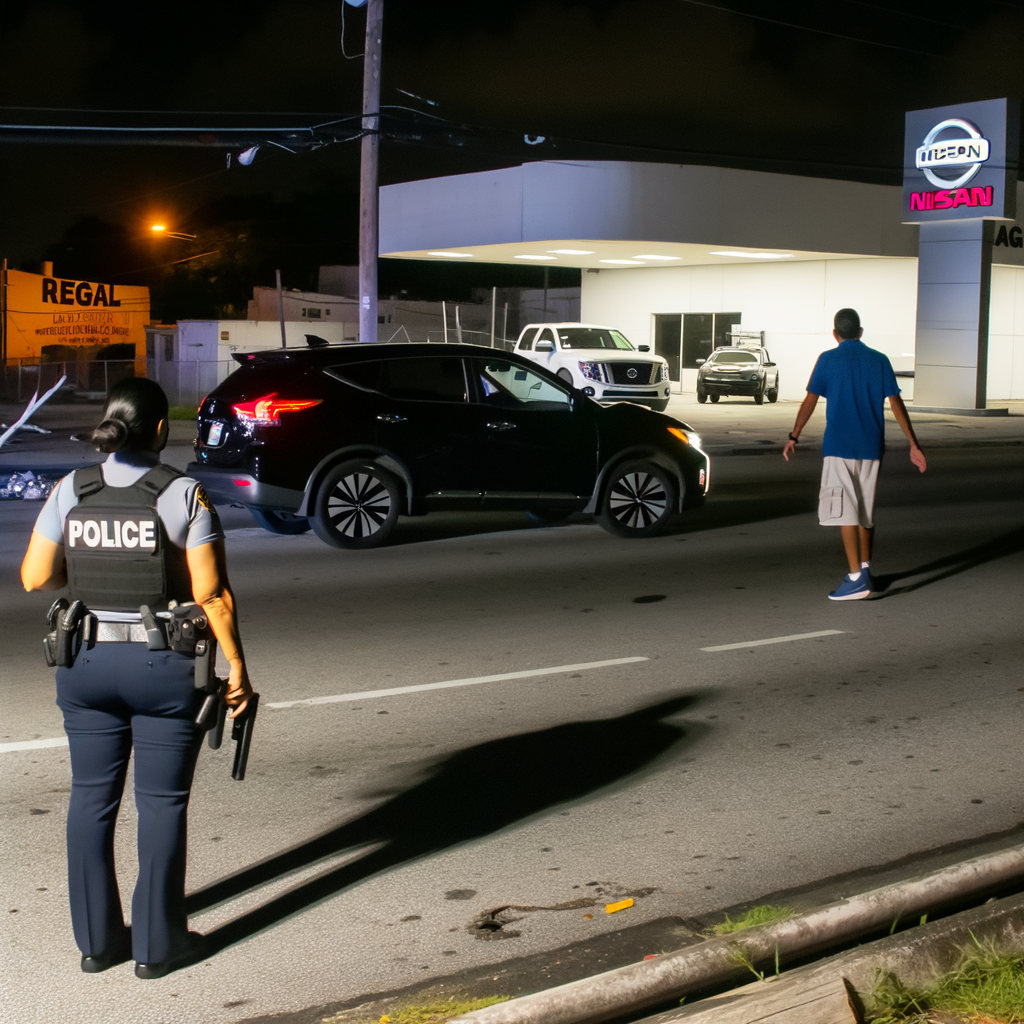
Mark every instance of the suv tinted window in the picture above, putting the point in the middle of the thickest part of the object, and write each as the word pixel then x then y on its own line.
pixel 429 379
pixel 362 375
pixel 420 378
pixel 510 385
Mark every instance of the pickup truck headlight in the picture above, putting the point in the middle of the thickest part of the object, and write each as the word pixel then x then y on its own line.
pixel 663 372
pixel 592 371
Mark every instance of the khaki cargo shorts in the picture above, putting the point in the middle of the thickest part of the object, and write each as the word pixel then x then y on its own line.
pixel 847 495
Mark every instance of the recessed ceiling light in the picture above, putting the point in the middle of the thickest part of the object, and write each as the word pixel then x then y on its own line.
pixel 631 263
pixel 573 252
pixel 534 256
pixel 754 255
pixel 458 254
pixel 652 257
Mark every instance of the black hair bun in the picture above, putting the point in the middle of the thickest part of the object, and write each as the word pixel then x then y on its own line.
pixel 110 436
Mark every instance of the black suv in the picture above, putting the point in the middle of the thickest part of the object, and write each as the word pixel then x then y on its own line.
pixel 345 439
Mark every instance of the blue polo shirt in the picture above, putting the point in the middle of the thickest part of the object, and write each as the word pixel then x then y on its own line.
pixel 855 381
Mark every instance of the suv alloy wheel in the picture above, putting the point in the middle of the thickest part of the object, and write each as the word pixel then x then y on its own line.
pixel 639 500
pixel 357 505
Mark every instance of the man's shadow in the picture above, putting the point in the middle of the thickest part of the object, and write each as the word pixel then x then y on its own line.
pixel 950 565
pixel 471 794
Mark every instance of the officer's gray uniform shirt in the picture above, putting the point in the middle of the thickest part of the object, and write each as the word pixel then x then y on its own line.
pixel 186 512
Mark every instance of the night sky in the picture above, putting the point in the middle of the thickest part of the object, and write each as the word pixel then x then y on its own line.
pixel 813 88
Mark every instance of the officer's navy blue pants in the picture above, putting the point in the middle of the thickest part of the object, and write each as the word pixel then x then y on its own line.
pixel 116 696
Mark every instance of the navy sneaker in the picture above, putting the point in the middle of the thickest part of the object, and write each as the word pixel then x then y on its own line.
pixel 852 590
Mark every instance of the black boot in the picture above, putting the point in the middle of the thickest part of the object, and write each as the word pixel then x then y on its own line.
pixel 190 953
pixel 118 954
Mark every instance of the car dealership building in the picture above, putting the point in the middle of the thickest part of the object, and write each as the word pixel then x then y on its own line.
pixel 680 257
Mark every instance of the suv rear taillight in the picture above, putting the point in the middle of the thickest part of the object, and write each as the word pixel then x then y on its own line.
pixel 266 411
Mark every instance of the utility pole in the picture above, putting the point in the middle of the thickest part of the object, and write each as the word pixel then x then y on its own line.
pixel 368 162
pixel 280 309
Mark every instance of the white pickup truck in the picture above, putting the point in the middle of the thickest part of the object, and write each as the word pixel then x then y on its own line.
pixel 599 361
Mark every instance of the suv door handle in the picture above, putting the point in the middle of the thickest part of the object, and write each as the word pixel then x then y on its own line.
pixel 391 417
pixel 501 425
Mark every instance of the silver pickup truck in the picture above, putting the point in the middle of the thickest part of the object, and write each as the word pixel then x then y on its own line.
pixel 738 371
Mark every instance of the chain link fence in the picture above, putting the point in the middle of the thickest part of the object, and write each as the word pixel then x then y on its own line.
pixel 91 378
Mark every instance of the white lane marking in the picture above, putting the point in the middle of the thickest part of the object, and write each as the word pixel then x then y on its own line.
pixel 474 681
pixel 8 748
pixel 775 640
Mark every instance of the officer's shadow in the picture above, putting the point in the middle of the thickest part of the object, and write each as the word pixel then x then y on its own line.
pixel 471 794
pixel 942 568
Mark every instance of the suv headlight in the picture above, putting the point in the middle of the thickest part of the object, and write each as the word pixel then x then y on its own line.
pixel 663 372
pixel 592 371
pixel 686 436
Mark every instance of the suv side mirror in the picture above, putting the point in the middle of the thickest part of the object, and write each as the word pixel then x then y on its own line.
pixel 643 348
pixel 544 346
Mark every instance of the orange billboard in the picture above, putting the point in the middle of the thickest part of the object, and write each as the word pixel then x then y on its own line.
pixel 56 318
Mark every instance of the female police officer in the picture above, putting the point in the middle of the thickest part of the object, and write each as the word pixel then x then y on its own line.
pixel 120 535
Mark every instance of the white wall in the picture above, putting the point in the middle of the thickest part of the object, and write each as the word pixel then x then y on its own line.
pixel 1006 334
pixel 793 303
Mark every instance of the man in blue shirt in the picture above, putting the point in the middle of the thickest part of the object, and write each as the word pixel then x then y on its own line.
pixel 855 381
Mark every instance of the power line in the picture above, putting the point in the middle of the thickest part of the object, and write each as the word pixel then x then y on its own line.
pixel 807 28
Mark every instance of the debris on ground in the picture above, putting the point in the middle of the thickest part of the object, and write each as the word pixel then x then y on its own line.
pixel 614 908
pixel 26 486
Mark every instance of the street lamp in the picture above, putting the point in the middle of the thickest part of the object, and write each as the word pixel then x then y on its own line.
pixel 161 229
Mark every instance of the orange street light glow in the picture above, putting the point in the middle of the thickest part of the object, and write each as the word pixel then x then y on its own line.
pixel 158 227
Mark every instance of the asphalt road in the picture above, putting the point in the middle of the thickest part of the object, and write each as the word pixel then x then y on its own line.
pixel 693 779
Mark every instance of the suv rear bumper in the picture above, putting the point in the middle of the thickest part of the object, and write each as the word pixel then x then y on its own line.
pixel 232 486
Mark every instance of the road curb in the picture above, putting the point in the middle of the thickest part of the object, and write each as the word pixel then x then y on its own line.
pixel 711 964
pixel 916 957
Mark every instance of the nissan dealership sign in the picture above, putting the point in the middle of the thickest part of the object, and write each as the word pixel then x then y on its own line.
pixel 955 162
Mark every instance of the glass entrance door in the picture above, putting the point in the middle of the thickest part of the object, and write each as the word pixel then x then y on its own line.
pixel 681 339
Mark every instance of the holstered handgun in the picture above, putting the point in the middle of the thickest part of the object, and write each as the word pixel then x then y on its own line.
pixel 210 718
pixel 50 640
pixel 68 633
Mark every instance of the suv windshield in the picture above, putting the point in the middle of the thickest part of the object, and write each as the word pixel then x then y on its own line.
pixel 592 337
pixel 733 357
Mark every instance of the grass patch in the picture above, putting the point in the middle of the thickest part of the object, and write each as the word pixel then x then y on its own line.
pixel 987 986
pixel 767 913
pixel 425 1013
pixel 182 412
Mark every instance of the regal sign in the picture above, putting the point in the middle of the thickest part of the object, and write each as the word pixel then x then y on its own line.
pixel 960 162
pixel 63 316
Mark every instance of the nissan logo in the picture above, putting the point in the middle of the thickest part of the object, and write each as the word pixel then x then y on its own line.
pixel 967 150
pixel 631 373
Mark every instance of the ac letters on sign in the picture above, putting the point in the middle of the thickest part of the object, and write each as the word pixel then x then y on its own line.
pixel 1012 237
pixel 112 531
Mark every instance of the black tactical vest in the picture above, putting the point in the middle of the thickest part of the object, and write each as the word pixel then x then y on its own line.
pixel 117 550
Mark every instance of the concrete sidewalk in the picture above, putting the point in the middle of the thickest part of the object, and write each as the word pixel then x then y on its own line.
pixel 736 426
